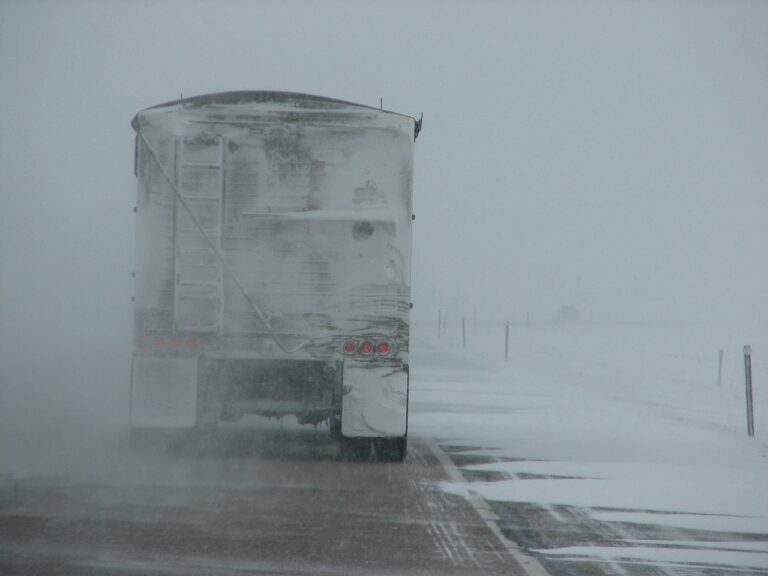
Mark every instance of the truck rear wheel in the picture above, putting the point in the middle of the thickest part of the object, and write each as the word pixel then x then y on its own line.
pixel 335 425
pixel 374 449
pixel 391 449
pixel 355 449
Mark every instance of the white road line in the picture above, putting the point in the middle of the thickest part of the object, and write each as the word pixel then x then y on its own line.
pixel 530 565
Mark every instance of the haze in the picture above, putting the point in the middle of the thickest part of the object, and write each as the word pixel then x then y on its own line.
pixel 605 156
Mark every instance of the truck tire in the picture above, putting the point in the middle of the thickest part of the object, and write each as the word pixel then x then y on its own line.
pixel 374 449
pixel 356 449
pixel 335 426
pixel 391 449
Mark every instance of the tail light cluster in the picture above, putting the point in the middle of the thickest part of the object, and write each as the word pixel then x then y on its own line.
pixel 368 347
pixel 174 343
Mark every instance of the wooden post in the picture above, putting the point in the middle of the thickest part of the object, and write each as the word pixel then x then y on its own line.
pixel 720 368
pixel 748 377
pixel 506 342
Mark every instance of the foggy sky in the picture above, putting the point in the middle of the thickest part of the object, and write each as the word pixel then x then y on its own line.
pixel 606 155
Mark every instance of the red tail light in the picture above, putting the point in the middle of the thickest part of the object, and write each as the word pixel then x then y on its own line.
pixel 366 348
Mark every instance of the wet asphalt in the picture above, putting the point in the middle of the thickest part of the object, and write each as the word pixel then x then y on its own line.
pixel 245 501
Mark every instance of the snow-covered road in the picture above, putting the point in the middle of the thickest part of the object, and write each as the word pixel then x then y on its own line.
pixel 606 449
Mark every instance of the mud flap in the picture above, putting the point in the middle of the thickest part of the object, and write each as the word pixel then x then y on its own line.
pixel 374 401
pixel 164 392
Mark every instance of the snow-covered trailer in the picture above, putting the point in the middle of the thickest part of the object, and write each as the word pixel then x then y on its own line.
pixel 273 252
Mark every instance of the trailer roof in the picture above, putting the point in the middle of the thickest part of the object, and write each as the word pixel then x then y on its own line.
pixel 242 97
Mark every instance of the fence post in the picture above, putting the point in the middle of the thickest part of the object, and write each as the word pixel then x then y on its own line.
pixel 748 377
pixel 506 342
pixel 720 368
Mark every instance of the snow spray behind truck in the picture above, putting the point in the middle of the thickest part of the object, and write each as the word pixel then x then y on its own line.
pixel 273 266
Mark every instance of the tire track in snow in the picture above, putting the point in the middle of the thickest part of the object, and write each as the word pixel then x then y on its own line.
pixel 529 564
pixel 567 534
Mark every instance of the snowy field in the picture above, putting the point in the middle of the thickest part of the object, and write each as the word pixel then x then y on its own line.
pixel 626 424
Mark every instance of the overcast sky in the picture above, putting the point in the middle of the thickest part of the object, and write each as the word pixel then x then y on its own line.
pixel 612 156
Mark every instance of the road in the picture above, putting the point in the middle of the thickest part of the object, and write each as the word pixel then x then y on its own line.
pixel 247 501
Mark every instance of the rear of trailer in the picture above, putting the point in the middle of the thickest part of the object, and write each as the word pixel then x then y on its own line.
pixel 273 254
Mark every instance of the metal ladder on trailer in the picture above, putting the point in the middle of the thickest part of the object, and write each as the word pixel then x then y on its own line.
pixel 198 287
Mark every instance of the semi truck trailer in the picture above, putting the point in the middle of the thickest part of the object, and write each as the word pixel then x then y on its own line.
pixel 273 264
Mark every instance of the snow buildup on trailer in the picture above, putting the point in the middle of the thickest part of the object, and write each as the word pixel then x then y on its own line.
pixel 292 216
